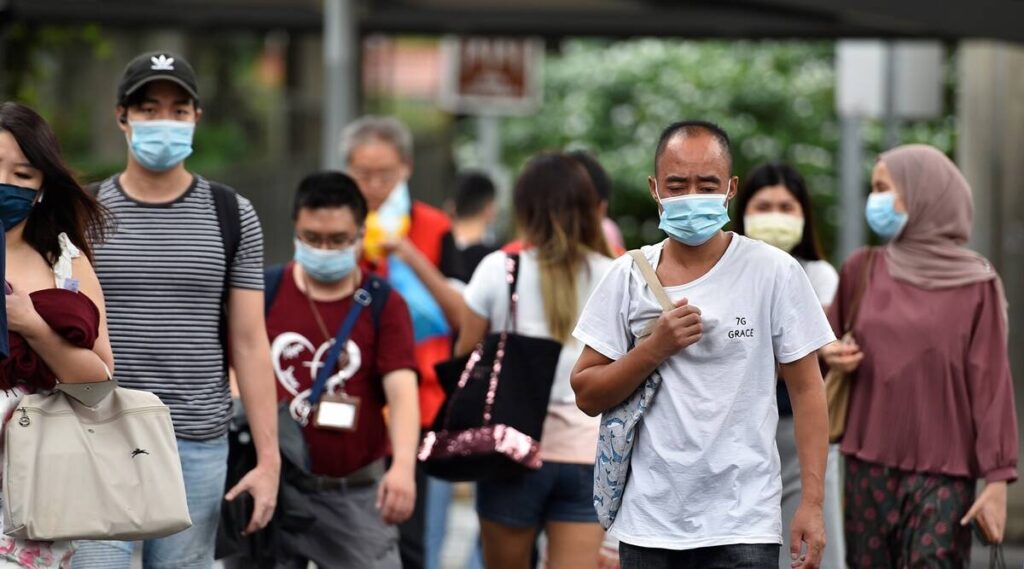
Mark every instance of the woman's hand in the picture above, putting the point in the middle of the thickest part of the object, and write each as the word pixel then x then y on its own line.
pixel 844 355
pixel 22 316
pixel 989 510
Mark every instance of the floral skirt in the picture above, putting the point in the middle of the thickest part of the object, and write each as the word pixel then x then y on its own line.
pixel 21 553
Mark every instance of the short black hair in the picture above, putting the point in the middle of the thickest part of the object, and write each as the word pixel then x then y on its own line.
pixel 689 128
pixel 474 191
pixel 598 175
pixel 781 174
pixel 330 189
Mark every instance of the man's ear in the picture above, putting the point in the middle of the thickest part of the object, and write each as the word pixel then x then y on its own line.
pixel 199 114
pixel 121 116
pixel 652 187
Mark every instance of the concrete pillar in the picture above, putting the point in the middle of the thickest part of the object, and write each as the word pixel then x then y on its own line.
pixel 991 134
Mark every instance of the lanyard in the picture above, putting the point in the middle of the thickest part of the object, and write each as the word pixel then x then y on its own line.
pixel 361 299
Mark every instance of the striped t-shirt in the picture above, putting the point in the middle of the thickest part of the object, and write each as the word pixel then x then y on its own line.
pixel 162 271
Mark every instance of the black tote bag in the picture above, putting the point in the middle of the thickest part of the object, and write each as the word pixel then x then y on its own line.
pixel 496 400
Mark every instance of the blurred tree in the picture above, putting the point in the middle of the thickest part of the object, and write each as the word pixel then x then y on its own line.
pixel 775 99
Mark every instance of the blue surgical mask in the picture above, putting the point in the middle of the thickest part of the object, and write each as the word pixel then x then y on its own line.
pixel 693 219
pixel 882 216
pixel 161 145
pixel 325 265
pixel 15 204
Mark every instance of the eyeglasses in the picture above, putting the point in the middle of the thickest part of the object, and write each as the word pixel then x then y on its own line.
pixel 384 176
pixel 336 241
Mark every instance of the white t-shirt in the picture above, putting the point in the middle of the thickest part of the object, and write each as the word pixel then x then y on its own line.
pixel 705 468
pixel 824 279
pixel 569 434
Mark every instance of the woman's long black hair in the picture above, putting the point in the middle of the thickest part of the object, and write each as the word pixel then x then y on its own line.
pixel 64 206
pixel 781 174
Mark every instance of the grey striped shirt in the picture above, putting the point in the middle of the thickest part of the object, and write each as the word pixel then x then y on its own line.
pixel 162 271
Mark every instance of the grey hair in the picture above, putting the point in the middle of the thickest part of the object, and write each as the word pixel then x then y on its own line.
pixel 373 128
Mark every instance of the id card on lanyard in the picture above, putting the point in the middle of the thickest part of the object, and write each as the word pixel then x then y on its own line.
pixel 337 411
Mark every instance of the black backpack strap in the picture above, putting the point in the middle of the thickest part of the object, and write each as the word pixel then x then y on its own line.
pixel 272 277
pixel 225 201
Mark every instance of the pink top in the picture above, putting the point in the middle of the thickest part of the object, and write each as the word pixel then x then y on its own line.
pixel 933 392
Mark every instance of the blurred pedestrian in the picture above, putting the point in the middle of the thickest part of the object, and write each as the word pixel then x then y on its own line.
pixel 564 258
pixel 603 186
pixel 50 224
pixel 775 206
pixel 931 405
pixel 353 501
pixel 704 486
pixel 474 209
pixel 377 152
pixel 183 276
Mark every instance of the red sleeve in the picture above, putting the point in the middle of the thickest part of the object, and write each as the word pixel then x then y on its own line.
pixel 427 229
pixel 991 390
pixel 395 348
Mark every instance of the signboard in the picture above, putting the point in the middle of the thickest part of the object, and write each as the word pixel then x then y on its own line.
pixel 491 76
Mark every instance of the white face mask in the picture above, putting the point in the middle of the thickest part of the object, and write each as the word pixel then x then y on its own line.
pixel 777 229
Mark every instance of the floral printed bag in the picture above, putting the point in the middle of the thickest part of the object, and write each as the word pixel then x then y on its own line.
pixel 619 425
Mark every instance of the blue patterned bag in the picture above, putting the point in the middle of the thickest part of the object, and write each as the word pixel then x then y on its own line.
pixel 620 424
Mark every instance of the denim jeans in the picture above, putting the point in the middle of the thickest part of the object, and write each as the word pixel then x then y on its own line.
pixel 204 467
pixel 439 498
pixel 739 556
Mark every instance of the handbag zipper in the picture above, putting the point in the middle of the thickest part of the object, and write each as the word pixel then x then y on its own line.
pixel 25 421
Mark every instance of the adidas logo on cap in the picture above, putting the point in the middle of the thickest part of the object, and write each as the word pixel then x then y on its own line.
pixel 162 63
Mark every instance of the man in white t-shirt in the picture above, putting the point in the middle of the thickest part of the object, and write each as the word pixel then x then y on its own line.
pixel 704 489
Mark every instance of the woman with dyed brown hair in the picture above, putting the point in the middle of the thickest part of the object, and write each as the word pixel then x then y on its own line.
pixel 565 255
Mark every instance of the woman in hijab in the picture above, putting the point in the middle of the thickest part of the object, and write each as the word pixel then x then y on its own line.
pixel 931 405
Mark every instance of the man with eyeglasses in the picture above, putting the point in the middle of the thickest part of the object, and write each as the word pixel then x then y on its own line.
pixel 351 499
pixel 378 154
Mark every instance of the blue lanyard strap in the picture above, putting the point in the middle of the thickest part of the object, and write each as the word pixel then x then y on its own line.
pixel 361 299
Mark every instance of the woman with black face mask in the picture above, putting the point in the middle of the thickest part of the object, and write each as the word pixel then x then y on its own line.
pixel 55 318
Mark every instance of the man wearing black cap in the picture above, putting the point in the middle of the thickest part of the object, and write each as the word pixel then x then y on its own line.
pixel 183 277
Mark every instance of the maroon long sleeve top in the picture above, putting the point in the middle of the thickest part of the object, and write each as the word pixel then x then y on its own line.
pixel 934 391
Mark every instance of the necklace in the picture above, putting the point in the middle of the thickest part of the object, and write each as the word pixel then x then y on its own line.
pixel 312 307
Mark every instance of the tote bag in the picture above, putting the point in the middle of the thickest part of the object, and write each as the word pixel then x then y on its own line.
pixel 497 399
pixel 92 461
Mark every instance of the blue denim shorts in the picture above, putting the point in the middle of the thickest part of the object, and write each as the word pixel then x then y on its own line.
pixel 558 492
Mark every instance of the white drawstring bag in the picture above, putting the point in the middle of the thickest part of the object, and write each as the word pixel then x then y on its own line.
pixel 92 461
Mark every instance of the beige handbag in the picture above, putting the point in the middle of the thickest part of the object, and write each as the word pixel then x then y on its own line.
pixel 92 461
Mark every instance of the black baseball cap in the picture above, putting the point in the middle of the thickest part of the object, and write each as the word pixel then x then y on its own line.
pixel 157 66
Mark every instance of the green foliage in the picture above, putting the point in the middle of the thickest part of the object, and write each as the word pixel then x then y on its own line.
pixel 776 100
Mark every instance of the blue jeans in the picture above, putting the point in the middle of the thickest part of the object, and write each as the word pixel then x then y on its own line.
pixel 439 498
pixel 739 556
pixel 204 466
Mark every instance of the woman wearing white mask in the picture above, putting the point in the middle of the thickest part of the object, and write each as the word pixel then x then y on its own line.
pixel 776 208
pixel 931 395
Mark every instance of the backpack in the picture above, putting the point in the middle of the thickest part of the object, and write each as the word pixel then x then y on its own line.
pixel 378 288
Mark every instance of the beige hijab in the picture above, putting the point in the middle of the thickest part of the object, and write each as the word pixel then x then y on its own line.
pixel 930 253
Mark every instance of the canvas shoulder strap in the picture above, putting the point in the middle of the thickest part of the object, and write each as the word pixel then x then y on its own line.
pixel 651 278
